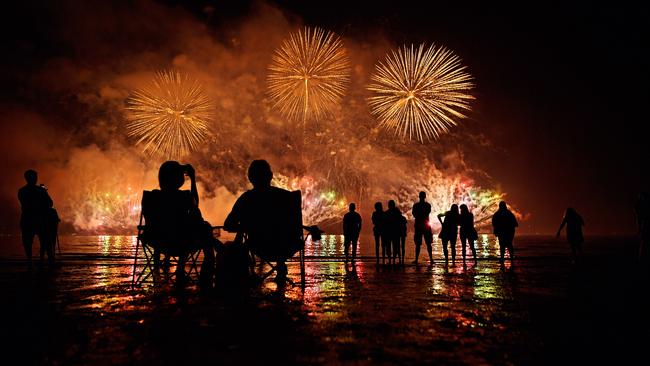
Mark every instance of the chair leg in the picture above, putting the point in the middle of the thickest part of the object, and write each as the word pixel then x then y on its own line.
pixel 135 262
pixel 302 268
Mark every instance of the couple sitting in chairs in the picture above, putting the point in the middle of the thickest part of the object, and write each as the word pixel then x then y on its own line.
pixel 267 219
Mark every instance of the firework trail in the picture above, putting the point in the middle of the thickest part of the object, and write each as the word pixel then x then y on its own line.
pixel 170 116
pixel 308 74
pixel 418 92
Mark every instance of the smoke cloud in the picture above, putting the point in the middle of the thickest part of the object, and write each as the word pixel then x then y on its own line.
pixel 68 122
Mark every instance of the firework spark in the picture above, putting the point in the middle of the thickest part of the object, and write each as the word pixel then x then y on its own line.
pixel 418 92
pixel 308 74
pixel 170 116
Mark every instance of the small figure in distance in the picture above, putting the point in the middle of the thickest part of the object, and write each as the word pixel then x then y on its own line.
pixel 35 217
pixel 422 227
pixel 574 224
pixel 504 223
pixel 449 231
pixel 351 230
pixel 393 231
pixel 468 233
pixel 642 213
pixel 378 229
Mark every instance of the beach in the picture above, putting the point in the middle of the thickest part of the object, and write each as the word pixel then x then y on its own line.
pixel 538 309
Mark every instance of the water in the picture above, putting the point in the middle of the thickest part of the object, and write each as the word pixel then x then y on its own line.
pixel 540 309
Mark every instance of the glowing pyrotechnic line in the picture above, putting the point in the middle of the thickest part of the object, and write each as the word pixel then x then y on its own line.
pixel 170 116
pixel 308 74
pixel 418 92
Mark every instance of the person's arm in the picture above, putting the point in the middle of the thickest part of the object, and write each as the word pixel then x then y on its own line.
pixel 191 173
pixel 440 215
pixel 48 200
pixel 233 220
pixel 561 227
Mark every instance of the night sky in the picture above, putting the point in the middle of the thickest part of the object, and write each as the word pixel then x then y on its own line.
pixel 561 89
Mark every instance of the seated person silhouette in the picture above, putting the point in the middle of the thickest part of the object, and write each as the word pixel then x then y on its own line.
pixel 176 226
pixel 261 214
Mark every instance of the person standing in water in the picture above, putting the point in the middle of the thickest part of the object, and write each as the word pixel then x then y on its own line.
pixel 574 223
pixel 351 230
pixel 422 227
pixel 378 229
pixel 468 234
pixel 504 224
pixel 35 219
pixel 449 231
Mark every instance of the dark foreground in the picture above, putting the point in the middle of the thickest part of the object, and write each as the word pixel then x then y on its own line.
pixel 540 310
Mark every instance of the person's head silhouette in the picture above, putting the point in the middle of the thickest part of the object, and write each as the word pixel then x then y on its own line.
pixel 463 209
pixel 423 196
pixel 502 205
pixel 353 207
pixel 260 174
pixel 170 176
pixel 454 209
pixel 379 206
pixel 391 204
pixel 31 177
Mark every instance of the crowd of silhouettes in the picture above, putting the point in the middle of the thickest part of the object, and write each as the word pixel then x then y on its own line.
pixel 252 217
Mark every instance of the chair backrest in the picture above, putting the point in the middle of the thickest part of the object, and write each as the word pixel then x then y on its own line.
pixel 282 233
pixel 167 218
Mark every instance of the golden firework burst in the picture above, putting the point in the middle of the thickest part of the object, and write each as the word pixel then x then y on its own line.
pixel 419 92
pixel 308 74
pixel 170 116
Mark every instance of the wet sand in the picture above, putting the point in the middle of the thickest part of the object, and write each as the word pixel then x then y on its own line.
pixel 540 309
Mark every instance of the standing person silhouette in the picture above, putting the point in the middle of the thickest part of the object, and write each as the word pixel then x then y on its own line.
pixel 504 223
pixel 351 230
pixel 468 232
pixel 378 229
pixel 255 213
pixel 449 231
pixel 36 206
pixel 574 224
pixel 421 211
pixel 642 213
pixel 393 231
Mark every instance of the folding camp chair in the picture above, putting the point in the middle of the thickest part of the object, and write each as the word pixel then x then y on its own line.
pixel 285 240
pixel 162 231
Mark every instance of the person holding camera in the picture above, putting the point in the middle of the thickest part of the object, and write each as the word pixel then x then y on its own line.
pixel 182 210
pixel 36 218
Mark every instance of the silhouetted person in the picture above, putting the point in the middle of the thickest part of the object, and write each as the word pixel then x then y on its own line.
pixel 422 227
pixel 254 211
pixel 351 230
pixel 504 223
pixel 36 218
pixel 184 205
pixel 449 231
pixel 468 232
pixel 393 231
pixel 378 229
pixel 642 213
pixel 574 224
pixel 402 237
